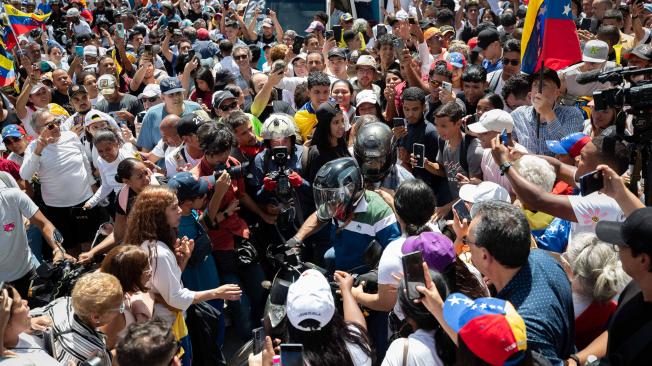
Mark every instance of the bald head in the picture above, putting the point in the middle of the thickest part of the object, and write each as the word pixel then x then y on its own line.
pixel 170 122
pixel 168 128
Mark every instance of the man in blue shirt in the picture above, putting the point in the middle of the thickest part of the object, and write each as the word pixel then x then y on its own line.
pixel 173 103
pixel 499 241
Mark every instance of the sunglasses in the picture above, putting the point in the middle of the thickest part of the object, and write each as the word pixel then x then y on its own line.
pixel 228 107
pixel 53 124
pixel 507 61
pixel 11 140
pixel 151 100
pixel 435 82
pixel 241 57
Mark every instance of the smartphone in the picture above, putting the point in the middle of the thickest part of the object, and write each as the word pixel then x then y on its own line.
pixel 585 24
pixel 462 210
pixel 173 24
pixel 447 86
pixel 278 65
pixel 381 30
pixel 398 122
pixel 120 30
pixel 399 44
pixel 337 32
pixel 328 34
pixel 292 354
pixel 413 274
pixel 149 48
pixel 591 182
pixel 504 138
pixel 79 51
pixel 419 151
pixel 298 43
pixel 259 339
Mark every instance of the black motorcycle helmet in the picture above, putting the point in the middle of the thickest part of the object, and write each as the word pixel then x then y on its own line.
pixel 337 188
pixel 375 151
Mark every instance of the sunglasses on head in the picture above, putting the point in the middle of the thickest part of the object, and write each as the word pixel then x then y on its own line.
pixel 507 61
pixel 228 107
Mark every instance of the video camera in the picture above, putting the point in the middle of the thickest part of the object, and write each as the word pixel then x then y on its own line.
pixel 280 156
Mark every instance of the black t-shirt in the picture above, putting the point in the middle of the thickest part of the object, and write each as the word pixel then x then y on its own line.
pixel 317 159
pixel 470 109
pixel 128 103
pixel 631 315
pixel 423 133
pixel 278 106
pixel 131 198
pixel 62 100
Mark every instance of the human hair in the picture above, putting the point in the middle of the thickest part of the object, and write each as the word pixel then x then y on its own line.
pixel 328 345
pixel 414 203
pixel 348 86
pixel 504 232
pixel 474 74
pixel 452 110
pixel 235 119
pixel 215 138
pixel 360 25
pixel 223 77
pixel 95 293
pixel 494 18
pixel 386 39
pixel 233 89
pixel 318 78
pixel 413 94
pixel 596 268
pixel 147 220
pixel 613 14
pixel 536 171
pixel 613 152
pixel 445 16
pixel 301 96
pixel 127 263
pixel 278 52
pixel 36 116
pixel 507 19
pixel 425 320
pixel 440 68
pixel 321 136
pixel 150 343
pixel 205 74
pixel 610 32
pixel 517 85
pixel 495 100
pixel 349 35
pixel 512 45
pixel 125 169
pixel 240 47
pixel 466 357
pixel 322 17
pixel 226 47
pixel 105 136
pixel 548 74
pixel 461 47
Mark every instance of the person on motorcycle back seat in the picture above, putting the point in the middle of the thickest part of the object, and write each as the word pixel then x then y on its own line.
pixel 356 216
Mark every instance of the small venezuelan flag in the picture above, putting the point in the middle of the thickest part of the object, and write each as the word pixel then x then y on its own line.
pixel 7 72
pixel 21 23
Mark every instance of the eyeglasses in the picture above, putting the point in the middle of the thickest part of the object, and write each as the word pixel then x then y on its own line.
pixel 434 82
pixel 51 125
pixel 466 241
pixel 228 107
pixel 507 61
pixel 240 57
pixel 151 100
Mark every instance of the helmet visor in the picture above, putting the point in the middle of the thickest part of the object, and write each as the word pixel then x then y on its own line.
pixel 332 202
pixel 374 169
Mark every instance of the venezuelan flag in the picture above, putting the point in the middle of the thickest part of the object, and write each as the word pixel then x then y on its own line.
pixel 21 22
pixel 7 71
pixel 549 35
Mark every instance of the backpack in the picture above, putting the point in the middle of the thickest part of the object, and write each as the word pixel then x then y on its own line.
pixel 464 147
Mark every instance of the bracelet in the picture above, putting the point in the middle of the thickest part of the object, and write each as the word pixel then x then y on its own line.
pixel 576 359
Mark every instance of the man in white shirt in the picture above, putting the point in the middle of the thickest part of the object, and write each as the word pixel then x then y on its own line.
pixel 65 176
pixel 78 25
pixel 189 154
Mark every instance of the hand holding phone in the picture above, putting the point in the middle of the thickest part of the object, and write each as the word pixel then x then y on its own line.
pixel 413 274
pixel 259 339
pixel 79 51
pixel 419 151
pixel 462 211
pixel 337 32
pixel 447 86
pixel 591 182
pixel 504 138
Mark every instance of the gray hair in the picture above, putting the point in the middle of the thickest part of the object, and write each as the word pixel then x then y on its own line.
pixel 241 47
pixel 36 116
pixel 360 26
pixel 536 171
pixel 596 267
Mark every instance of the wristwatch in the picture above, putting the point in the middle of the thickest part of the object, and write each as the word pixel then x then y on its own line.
pixel 504 167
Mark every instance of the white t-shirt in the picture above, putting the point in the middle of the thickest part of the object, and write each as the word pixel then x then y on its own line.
pixel 30 348
pixel 591 209
pixel 491 170
pixel 175 160
pixel 161 150
pixel 15 254
pixel 108 172
pixel 422 350
pixel 358 356
pixel 63 169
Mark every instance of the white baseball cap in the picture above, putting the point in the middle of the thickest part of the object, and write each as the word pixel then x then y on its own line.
pixel 310 298
pixel 366 96
pixel 596 51
pixel 485 191
pixel 495 120
pixel 151 90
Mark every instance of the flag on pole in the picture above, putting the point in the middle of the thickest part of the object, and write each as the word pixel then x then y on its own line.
pixel 19 22
pixel 549 35
pixel 7 71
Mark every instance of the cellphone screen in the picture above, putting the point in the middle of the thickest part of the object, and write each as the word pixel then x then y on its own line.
pixel 591 182
pixel 462 211
pixel 79 51
pixel 398 122
pixel 337 32
pixel 381 30
pixel 504 138
pixel 298 43
pixel 413 270
pixel 419 151
pixel 259 339
pixel 292 354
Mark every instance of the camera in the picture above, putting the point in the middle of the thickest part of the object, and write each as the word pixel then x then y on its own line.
pixel 236 172
pixel 173 24
pixel 280 156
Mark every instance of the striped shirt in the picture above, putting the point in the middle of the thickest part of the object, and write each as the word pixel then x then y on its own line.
pixel 568 121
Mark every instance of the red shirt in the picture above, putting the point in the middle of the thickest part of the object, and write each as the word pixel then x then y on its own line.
pixel 10 167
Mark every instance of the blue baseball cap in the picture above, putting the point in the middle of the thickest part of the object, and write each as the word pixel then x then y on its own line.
pixel 171 85
pixel 188 187
pixel 456 59
pixel 13 131
pixel 569 145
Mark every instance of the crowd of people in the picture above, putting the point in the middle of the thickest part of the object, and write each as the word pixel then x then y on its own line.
pixel 171 157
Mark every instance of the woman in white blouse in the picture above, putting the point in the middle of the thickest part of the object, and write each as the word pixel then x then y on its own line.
pixel 152 223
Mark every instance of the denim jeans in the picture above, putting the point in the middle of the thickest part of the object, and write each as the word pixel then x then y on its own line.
pixel 248 311
pixel 35 241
